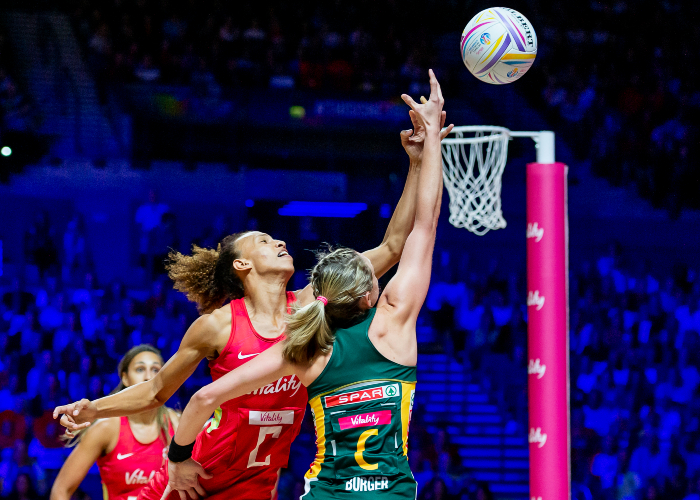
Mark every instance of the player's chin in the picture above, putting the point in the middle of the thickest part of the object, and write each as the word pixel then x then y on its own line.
pixel 285 264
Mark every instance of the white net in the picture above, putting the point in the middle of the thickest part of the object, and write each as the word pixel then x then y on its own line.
pixel 473 159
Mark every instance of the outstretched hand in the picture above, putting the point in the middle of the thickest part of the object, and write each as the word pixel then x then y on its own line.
pixel 76 416
pixel 429 114
pixel 412 140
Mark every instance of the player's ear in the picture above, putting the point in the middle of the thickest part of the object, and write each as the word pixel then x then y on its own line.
pixel 366 301
pixel 241 264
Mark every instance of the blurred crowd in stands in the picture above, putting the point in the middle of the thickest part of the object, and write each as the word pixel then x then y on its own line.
pixel 624 98
pixel 615 80
pixel 15 109
pixel 635 366
pixel 345 46
pixel 635 359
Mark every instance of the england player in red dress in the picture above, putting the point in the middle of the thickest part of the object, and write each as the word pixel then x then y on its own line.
pixel 128 450
pixel 239 447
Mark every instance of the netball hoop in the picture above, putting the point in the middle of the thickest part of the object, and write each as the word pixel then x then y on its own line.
pixel 473 163
pixel 473 160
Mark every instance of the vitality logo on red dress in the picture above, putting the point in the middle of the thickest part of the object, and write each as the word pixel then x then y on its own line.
pixel 283 384
pixel 383 392
pixel 270 417
pixel 365 420
pixel 138 477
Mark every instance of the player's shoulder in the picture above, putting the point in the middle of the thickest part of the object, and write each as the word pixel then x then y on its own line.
pixel 212 322
pixel 103 432
pixel 210 332
pixel 107 424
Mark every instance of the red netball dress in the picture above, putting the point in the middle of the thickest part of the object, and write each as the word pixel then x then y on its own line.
pixel 249 438
pixel 131 464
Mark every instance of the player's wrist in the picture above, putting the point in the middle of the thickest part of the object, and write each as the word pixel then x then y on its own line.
pixel 433 127
pixel 178 453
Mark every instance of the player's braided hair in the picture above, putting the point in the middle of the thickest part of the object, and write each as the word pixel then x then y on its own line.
pixel 343 277
pixel 206 276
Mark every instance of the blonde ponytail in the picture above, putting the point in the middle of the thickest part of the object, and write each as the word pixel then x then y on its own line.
pixel 342 277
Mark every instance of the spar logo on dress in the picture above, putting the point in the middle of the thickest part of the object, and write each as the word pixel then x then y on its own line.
pixel 138 477
pixel 283 384
pixel 537 436
pixel 535 299
pixel 535 368
pixel 533 231
pixel 365 420
pixel 373 394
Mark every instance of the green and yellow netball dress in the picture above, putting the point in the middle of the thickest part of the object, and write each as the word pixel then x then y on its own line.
pixel 361 406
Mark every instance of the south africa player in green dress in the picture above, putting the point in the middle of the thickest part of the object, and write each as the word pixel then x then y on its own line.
pixel 361 422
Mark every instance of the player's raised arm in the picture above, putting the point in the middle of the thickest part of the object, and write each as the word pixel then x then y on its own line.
pixel 195 346
pixel 388 253
pixel 407 290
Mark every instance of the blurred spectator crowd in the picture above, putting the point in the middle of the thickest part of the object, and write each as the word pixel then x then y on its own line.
pixel 622 96
pixel 15 110
pixel 616 81
pixel 346 46
pixel 635 359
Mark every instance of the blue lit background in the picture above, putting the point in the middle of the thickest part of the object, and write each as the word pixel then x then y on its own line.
pixel 285 118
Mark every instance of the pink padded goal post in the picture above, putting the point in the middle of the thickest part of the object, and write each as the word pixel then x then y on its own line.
pixel 548 345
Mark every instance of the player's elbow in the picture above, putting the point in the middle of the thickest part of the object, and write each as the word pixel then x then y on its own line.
pixel 427 225
pixel 205 398
pixel 394 248
pixel 158 395
pixel 60 492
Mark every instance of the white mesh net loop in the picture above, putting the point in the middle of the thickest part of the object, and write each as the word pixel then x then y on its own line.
pixel 473 159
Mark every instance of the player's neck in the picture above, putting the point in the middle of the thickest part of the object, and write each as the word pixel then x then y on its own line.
pixel 266 297
pixel 145 418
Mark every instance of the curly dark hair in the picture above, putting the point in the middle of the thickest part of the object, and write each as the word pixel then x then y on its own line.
pixel 206 276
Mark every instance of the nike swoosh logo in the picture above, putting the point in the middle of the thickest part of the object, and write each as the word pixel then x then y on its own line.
pixel 243 356
pixel 122 457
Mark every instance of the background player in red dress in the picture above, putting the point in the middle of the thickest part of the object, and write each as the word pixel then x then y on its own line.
pixel 253 269
pixel 128 450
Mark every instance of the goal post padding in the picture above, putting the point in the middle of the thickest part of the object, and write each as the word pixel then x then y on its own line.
pixel 548 339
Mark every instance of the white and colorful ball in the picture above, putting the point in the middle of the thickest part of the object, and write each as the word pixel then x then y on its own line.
pixel 498 45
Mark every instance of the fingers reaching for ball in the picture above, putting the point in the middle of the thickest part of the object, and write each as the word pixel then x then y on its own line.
pixel 429 111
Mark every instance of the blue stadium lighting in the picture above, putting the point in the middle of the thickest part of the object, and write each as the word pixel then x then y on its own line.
pixel 249 203
pixel 385 211
pixel 6 151
pixel 322 209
